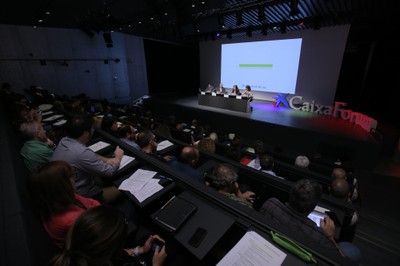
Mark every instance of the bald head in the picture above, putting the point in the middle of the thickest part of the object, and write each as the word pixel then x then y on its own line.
pixel 340 188
pixel 190 155
pixel 339 173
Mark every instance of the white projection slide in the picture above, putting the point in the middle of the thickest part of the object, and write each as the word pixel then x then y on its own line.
pixel 270 66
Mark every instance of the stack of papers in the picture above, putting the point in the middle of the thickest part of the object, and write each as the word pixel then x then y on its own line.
pixel 51 118
pixel 251 250
pixel 59 123
pixel 250 149
pixel 141 184
pixel 47 113
pixel 125 160
pixel 98 146
pixel 253 165
pixel 45 107
pixel 164 144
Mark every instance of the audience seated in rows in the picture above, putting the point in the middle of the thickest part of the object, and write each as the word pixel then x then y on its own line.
pixel 54 198
pixel 179 132
pixel 303 198
pixel 109 125
pixel 163 130
pixel 88 164
pixel 188 159
pixel 353 183
pixel 340 189
pixel 224 179
pixel 213 136
pixel 259 151
pixel 98 237
pixel 148 144
pixel 267 165
pixel 234 150
pixel 127 134
pixel 234 153
pixel 302 162
pixel 206 145
pixel 37 148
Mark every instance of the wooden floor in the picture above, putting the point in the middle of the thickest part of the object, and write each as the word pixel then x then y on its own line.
pixel 378 231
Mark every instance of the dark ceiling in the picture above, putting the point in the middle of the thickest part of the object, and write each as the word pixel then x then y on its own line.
pixel 187 21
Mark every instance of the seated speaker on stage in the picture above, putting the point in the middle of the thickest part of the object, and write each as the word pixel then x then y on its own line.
pixel 235 90
pixel 220 89
pixel 247 93
pixel 210 88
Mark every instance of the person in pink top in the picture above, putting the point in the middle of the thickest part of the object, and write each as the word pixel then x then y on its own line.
pixel 53 195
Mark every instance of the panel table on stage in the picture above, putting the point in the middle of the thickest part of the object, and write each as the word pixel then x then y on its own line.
pixel 225 101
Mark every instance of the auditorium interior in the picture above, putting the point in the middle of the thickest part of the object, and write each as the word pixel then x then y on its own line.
pixel 148 61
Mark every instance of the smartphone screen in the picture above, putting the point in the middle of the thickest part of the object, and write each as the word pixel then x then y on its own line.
pixel 156 243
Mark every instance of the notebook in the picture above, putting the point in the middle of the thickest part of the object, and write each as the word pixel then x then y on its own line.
pixel 174 213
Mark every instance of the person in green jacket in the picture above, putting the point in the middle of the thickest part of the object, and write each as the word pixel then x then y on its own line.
pixel 37 148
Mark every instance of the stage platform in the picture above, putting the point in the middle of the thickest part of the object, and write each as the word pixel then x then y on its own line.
pixel 281 127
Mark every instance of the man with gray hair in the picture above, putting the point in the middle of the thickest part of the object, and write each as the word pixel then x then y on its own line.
pixel 224 180
pixel 37 148
pixel 302 162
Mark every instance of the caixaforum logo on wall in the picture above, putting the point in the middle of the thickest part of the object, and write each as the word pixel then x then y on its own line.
pixel 336 110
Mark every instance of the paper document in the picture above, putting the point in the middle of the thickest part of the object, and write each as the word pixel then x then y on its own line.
pixel 164 144
pixel 59 123
pixel 250 149
pixel 125 160
pixel 51 118
pixel 252 250
pixel 47 113
pixel 98 146
pixel 321 209
pixel 253 165
pixel 141 184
